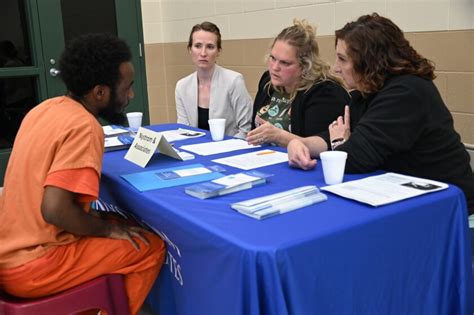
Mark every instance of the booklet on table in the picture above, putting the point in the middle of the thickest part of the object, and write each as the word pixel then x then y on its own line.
pixel 117 137
pixel 227 184
pixel 274 204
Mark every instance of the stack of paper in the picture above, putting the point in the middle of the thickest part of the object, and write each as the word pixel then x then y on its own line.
pixel 113 130
pixel 264 207
pixel 227 184
pixel 117 137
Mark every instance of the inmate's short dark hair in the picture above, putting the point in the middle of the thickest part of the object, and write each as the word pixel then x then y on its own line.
pixel 92 59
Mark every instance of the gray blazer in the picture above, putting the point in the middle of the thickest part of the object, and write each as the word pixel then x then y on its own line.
pixel 229 99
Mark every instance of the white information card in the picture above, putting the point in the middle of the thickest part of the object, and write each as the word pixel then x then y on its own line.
pixel 145 144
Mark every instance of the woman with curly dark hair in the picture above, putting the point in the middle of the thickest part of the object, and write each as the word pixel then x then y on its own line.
pixel 397 120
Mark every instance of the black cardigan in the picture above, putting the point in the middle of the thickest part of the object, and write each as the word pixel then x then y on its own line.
pixel 406 128
pixel 311 111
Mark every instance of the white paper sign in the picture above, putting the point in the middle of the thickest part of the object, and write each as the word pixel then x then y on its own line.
pixel 145 144
pixel 143 147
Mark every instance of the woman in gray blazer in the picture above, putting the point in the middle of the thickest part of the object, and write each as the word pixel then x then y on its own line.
pixel 212 91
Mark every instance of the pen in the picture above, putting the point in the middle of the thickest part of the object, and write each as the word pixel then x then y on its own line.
pixel 265 152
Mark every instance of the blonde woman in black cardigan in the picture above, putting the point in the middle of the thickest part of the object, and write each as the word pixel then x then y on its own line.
pixel 297 96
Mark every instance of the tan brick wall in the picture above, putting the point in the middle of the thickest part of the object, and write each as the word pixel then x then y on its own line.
pixel 452 52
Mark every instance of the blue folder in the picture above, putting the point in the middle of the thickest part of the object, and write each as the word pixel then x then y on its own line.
pixel 149 180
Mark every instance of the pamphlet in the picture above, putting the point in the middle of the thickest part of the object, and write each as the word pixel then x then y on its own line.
pixel 274 204
pixel 113 130
pixel 117 137
pixel 119 142
pixel 169 177
pixel 227 184
pixel 387 188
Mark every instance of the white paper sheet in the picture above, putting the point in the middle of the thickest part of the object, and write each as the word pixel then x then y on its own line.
pixel 215 147
pixel 181 134
pixel 255 159
pixel 235 180
pixel 111 142
pixel 386 188
pixel 111 130
pixel 192 171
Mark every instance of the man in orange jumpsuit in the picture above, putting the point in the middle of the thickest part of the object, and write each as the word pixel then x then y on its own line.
pixel 50 241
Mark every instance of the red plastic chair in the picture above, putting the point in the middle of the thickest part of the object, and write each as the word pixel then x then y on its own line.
pixel 106 293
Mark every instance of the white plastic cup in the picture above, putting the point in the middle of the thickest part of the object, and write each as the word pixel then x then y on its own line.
pixel 134 120
pixel 334 163
pixel 217 128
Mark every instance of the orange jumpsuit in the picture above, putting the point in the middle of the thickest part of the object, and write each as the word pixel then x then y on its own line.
pixel 61 144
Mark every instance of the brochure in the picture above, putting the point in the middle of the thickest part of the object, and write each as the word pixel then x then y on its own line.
pixel 387 188
pixel 114 130
pixel 227 184
pixel 274 204
pixel 119 142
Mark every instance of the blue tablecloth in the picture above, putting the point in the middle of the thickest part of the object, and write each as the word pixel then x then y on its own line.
pixel 335 257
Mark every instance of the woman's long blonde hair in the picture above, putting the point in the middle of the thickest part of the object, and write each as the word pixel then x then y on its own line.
pixel 302 36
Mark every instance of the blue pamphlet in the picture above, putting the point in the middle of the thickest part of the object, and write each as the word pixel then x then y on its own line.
pixel 118 142
pixel 227 184
pixel 149 180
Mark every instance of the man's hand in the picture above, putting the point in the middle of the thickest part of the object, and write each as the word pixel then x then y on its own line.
pixel 126 232
pixel 59 208
pixel 299 155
